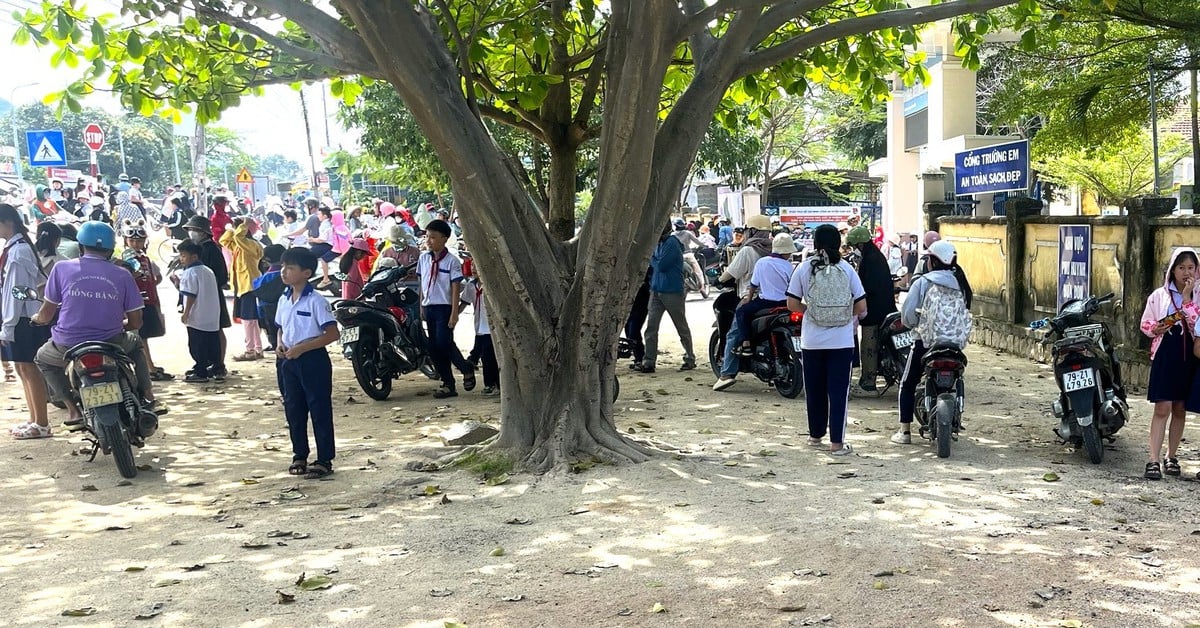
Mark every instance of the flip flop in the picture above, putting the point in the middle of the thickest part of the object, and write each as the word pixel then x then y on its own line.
pixel 469 381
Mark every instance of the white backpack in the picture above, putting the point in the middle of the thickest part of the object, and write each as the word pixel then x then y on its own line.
pixel 945 319
pixel 830 303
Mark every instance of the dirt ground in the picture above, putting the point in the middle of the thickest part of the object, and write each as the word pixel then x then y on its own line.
pixel 764 532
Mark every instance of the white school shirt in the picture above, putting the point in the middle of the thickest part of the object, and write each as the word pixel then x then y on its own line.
pixel 471 293
pixel 199 282
pixel 772 275
pixel 303 319
pixel 813 336
pixel 435 285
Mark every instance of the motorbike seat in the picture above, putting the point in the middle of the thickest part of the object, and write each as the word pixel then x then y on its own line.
pixel 945 352
pixel 764 319
pixel 96 346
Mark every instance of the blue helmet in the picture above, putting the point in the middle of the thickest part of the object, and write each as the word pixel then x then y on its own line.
pixel 97 235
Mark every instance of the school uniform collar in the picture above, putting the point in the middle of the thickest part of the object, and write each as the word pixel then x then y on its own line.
pixel 195 264
pixel 308 289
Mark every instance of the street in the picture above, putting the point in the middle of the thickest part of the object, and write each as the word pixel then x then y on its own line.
pixel 746 526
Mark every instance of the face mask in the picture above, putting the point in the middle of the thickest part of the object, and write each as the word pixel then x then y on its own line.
pixel 196 236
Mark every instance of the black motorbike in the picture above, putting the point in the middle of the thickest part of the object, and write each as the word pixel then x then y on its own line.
pixel 104 386
pixel 940 407
pixel 381 332
pixel 1091 405
pixel 894 341
pixel 775 336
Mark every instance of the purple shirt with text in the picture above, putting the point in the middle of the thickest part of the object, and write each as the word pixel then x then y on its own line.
pixel 94 295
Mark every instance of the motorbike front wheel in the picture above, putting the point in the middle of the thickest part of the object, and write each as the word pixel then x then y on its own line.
pixel 374 381
pixel 944 423
pixel 716 351
pixel 112 434
pixel 1092 443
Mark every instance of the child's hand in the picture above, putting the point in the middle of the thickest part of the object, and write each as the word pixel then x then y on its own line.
pixel 184 318
pixel 1161 329
pixel 453 319
pixel 293 353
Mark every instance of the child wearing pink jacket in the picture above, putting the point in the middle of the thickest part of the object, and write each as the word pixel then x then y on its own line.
pixel 1170 320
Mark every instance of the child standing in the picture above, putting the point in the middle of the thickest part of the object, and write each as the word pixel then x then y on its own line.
pixel 147 276
pixel 306 327
pixel 245 253
pixel 441 283
pixel 267 290
pixel 201 313
pixel 473 294
pixel 1169 319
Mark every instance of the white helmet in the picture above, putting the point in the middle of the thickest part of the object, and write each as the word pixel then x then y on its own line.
pixel 944 251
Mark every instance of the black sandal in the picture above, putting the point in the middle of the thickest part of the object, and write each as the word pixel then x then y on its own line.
pixel 469 380
pixel 1171 467
pixel 1153 471
pixel 299 467
pixel 444 392
pixel 318 470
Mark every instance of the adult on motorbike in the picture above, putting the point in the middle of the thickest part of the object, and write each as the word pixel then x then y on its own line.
pixel 768 286
pixel 876 278
pixel 757 244
pixel 944 271
pixel 95 300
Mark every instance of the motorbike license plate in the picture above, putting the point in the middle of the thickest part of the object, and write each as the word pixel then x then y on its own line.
pixel 349 335
pixel 796 343
pixel 97 395
pixel 902 340
pixel 1079 380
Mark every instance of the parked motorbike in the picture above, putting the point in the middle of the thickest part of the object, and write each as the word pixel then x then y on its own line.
pixel 894 341
pixel 1091 405
pixel 775 336
pixel 693 282
pixel 104 386
pixel 381 332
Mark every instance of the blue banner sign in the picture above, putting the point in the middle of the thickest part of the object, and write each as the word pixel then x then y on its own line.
pixel 1074 263
pixel 1000 168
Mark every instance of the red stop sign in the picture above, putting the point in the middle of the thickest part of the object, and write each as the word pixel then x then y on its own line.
pixel 93 136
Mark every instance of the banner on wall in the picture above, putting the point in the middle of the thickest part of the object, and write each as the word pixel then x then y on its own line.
pixel 808 218
pixel 1074 262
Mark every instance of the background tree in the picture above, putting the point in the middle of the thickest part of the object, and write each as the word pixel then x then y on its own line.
pixel 1120 168
pixel 656 70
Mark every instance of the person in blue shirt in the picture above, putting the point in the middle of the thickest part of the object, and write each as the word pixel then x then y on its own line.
pixel 667 295
pixel 724 234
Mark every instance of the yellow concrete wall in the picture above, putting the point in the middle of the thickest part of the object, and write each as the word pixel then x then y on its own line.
pixel 1042 270
pixel 1167 238
pixel 981 253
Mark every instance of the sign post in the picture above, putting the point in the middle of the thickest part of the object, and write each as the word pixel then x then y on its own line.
pixel 1000 168
pixel 245 184
pixel 1074 262
pixel 93 138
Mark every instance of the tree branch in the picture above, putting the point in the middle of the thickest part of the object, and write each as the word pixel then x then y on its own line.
pixel 464 56
pixel 488 86
pixel 767 57
pixel 335 38
pixel 509 118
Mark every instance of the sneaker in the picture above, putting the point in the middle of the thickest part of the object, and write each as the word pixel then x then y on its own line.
pixel 688 365
pixel 218 375
pixel 491 391
pixel 642 368
pixel 846 450
pixel 196 378
pixel 867 386
pixel 902 438
pixel 723 383
pixel 157 407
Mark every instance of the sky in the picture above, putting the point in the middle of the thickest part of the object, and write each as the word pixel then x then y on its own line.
pixel 269 124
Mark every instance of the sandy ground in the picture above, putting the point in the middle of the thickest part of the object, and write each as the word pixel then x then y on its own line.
pixel 771 532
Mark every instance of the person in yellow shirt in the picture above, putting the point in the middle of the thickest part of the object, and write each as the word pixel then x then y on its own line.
pixel 245 255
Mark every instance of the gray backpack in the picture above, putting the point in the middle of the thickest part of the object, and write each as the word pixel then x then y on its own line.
pixel 830 301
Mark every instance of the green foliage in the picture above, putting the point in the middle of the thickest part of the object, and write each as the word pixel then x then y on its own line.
pixel 1121 167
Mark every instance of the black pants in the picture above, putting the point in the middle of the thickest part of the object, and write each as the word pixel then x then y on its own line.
pixel 307 387
pixel 441 345
pixel 913 372
pixel 487 359
pixel 205 347
pixel 636 321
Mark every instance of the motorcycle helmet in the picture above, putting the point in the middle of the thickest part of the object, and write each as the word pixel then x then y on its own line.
pixel 858 235
pixel 680 225
pixel 131 229
pixel 97 235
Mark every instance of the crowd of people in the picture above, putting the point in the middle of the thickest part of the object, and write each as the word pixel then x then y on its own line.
pixel 95 281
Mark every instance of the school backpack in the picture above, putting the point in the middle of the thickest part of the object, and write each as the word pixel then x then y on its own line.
pixel 945 319
pixel 830 301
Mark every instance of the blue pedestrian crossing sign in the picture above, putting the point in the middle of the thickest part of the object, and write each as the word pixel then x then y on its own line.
pixel 46 148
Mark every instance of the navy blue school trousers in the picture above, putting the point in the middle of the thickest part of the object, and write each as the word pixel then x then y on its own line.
pixel 307 387
pixel 827 391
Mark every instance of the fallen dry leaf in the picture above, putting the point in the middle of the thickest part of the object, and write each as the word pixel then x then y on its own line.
pixel 284 598
pixel 150 612
pixel 658 608
pixel 85 611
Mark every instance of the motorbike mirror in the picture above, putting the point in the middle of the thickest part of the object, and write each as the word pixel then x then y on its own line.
pixel 25 293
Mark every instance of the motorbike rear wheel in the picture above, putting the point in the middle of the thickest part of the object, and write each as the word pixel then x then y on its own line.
pixel 944 424
pixel 793 385
pixel 113 435
pixel 1092 443
pixel 374 381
